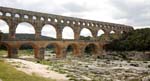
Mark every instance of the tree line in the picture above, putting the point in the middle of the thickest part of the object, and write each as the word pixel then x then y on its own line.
pixel 136 40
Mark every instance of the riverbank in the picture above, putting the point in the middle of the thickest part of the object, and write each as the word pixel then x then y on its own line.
pixel 86 68
pixel 9 73
pixel 31 68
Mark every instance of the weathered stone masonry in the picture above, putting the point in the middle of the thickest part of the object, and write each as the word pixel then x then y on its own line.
pixel 15 16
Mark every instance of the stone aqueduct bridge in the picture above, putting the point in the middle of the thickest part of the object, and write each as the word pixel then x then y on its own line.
pixel 15 16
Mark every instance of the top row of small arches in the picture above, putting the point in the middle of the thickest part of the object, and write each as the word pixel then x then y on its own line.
pixel 56 20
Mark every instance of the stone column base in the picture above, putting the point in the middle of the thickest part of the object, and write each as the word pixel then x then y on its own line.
pixel 12 53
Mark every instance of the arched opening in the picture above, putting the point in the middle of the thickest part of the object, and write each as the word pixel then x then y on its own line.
pixel 8 14
pixel 48 32
pixel 26 51
pixel 17 15
pixel 4 28
pixel 51 51
pixel 26 16
pixel 42 19
pixel 100 34
pixel 71 50
pixel 67 33
pixel 1 13
pixel 85 34
pixel 49 19
pixel 112 35
pixel 25 31
pixel 112 32
pixel 122 32
pixel 62 21
pixel 34 17
pixel 90 50
pixel 56 20
pixel 3 50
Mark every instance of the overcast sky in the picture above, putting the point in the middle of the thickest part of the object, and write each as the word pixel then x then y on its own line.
pixel 131 12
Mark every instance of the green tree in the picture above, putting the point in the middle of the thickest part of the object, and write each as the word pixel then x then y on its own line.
pixel 136 40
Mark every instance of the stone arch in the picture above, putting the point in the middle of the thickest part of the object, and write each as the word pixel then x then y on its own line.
pixel 55 20
pixel 86 32
pixel 26 16
pixel 68 22
pixel 113 35
pixel 49 31
pixel 79 23
pixel 30 46
pixel 91 49
pixel 74 48
pixel 57 49
pixel 112 31
pixel 73 22
pixel 100 32
pixel 49 19
pixel 17 15
pixel 4 26
pixel 62 20
pixel 106 30
pixel 8 14
pixel 68 33
pixel 42 18
pixel 25 28
pixel 34 17
pixel 117 32
pixel 28 43
pixel 84 23
pixel 1 13
pixel 123 32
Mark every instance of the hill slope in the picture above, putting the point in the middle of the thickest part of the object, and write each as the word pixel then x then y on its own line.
pixel 136 40
pixel 27 36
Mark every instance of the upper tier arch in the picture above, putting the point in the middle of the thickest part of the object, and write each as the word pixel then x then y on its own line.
pixel 59 22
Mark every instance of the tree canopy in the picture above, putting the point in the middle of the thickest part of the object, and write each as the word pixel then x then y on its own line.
pixel 136 40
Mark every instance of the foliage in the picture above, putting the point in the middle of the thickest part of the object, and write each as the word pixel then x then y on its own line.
pixel 136 40
pixel 2 47
pixel 26 52
pixel 85 38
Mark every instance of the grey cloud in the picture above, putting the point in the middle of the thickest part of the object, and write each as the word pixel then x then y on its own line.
pixel 47 6
pixel 133 12
pixel 50 6
pixel 74 7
